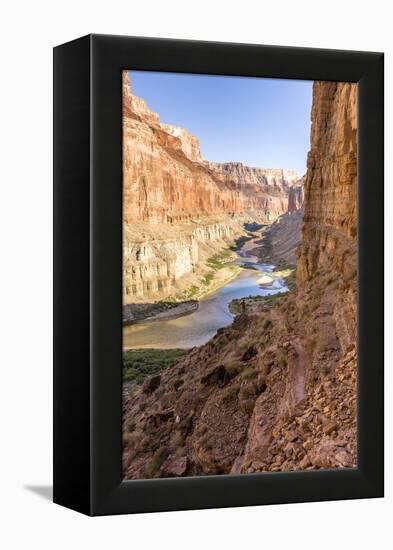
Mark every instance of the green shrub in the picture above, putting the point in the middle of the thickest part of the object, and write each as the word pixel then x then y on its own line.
pixel 180 451
pixel 186 294
pixel 219 260
pixel 249 373
pixel 156 462
pixel 230 393
pixel 207 279
pixel 138 364
pixel 177 440
pixel 126 439
pixel 133 375
pixel 281 358
pixel 233 368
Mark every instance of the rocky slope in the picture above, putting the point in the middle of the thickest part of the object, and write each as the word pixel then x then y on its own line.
pixel 276 390
pixel 167 184
pixel 281 239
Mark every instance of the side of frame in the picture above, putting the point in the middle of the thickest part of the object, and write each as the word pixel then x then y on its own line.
pixel 71 285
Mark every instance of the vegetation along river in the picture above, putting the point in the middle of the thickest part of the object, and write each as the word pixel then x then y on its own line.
pixel 213 313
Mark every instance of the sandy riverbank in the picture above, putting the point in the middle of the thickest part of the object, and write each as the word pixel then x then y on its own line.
pixel 162 311
pixel 224 270
pixel 137 313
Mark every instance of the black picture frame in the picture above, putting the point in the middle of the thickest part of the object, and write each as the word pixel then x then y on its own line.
pixel 88 274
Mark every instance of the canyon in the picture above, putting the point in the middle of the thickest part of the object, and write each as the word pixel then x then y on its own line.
pixel 276 389
pixel 179 209
pixel 281 238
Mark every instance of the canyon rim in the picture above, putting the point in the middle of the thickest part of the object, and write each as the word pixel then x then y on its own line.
pixel 239 284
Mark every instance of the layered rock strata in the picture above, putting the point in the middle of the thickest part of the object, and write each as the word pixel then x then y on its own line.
pixel 296 196
pixel 281 239
pixel 275 391
pixel 154 265
pixel 167 183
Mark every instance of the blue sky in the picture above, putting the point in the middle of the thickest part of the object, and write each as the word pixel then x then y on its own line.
pixel 258 121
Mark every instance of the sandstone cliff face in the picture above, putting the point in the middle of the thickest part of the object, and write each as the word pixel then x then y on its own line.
pixel 296 196
pixel 330 217
pixel 164 175
pixel 276 390
pixel 167 183
pixel 330 187
pixel 189 144
pixel 271 180
pixel 275 184
pixel 313 425
pixel 281 239
pixel 152 264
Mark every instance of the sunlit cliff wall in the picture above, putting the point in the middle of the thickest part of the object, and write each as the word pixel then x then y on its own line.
pixel 166 183
pixel 276 390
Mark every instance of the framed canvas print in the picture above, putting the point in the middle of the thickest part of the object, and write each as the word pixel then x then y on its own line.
pixel 218 275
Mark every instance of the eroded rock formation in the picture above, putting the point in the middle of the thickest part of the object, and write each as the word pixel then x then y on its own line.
pixel 276 390
pixel 166 183
pixel 155 263
pixel 281 239
pixel 296 196
pixel 165 176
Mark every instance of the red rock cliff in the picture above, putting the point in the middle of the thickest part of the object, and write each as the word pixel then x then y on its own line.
pixel 164 176
pixel 296 196
pixel 330 217
pixel 330 187
pixel 177 208
pixel 276 390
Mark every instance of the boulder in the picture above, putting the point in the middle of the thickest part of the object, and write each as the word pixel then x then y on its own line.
pixel 174 466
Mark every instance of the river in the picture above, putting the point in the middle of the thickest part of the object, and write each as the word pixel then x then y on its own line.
pixel 213 313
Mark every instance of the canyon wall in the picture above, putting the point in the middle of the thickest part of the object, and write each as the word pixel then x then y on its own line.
pixel 281 239
pixel 313 421
pixel 164 175
pixel 268 179
pixel 296 196
pixel 330 216
pixel 166 183
pixel 276 390
pixel 189 144
pixel 155 265
pixel 273 183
